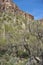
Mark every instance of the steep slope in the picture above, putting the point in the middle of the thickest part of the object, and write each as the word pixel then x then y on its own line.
pixel 8 5
pixel 20 34
pixel 11 16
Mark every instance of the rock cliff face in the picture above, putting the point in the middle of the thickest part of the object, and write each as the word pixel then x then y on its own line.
pixel 41 20
pixel 8 5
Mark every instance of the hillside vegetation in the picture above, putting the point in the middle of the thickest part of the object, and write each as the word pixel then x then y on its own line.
pixel 19 38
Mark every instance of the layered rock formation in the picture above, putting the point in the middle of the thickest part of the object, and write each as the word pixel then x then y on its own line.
pixel 8 5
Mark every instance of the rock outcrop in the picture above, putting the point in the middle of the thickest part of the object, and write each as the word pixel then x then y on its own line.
pixel 8 5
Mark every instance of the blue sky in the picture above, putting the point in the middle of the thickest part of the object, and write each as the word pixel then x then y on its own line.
pixel 34 7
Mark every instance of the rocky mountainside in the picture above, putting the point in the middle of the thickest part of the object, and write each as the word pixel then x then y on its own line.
pixel 8 5
pixel 21 37
pixel 10 17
